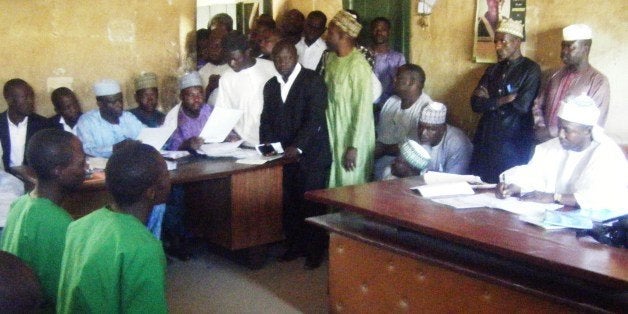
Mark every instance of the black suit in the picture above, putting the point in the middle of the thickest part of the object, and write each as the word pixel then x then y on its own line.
pixel 54 123
pixel 300 122
pixel 35 123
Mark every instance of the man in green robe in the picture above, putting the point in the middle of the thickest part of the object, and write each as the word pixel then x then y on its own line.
pixel 350 110
pixel 36 225
pixel 111 262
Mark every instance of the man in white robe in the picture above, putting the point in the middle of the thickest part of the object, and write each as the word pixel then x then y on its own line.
pixel 582 167
pixel 242 86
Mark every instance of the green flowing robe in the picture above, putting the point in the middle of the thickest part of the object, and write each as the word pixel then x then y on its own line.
pixel 111 264
pixel 35 232
pixel 350 116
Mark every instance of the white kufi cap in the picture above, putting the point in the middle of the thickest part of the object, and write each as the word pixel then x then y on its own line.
pixel 577 32
pixel 190 79
pixel 581 109
pixel 433 113
pixel 106 87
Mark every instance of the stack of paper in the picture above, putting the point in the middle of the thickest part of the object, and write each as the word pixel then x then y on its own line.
pixel 433 177
pixel 511 204
pixel 226 149
pixel 444 189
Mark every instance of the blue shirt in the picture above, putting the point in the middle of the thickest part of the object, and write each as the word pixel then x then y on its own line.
pixel 99 136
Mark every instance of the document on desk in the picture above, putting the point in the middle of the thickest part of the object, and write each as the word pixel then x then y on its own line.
pixel 257 160
pixel 156 137
pixel 444 189
pixel 434 177
pixel 225 149
pixel 511 204
pixel 220 123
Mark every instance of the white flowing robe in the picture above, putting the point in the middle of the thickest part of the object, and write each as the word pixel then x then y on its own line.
pixel 597 176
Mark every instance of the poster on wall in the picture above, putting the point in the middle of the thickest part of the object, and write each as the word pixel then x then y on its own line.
pixel 487 15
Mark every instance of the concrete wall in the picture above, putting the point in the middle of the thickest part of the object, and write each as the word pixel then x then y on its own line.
pixel 72 42
pixel 444 50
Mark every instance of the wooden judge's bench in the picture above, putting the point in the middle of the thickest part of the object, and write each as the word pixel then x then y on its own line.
pixel 393 251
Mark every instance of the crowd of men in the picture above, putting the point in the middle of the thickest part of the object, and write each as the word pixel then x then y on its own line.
pixel 339 109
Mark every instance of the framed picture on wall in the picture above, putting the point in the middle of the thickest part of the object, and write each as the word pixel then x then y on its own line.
pixel 487 16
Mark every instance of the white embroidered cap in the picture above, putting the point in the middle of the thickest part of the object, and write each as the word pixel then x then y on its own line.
pixel 581 109
pixel 106 87
pixel 577 32
pixel 190 79
pixel 434 113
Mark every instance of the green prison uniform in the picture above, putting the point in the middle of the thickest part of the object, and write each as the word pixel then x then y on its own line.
pixel 35 232
pixel 111 264
pixel 350 116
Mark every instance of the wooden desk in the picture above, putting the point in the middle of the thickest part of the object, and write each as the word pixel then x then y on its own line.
pixel 235 206
pixel 406 253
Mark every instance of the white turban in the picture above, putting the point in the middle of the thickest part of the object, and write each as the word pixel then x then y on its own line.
pixel 190 79
pixel 434 113
pixel 581 109
pixel 106 87
pixel 577 32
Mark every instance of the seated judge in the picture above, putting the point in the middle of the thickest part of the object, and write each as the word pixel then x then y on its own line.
pixel 399 117
pixel 111 263
pixel 449 147
pixel 147 98
pixel 101 128
pixel 190 115
pixel 582 167
pixel 241 87
pixel 294 115
pixel 67 109
pixel 36 226
pixel 19 122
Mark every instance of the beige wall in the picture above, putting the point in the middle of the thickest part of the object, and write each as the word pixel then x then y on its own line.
pixel 444 50
pixel 45 40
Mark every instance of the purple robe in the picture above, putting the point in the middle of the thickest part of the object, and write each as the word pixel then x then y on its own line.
pixel 188 127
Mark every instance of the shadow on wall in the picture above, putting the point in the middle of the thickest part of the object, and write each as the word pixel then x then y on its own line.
pixel 458 100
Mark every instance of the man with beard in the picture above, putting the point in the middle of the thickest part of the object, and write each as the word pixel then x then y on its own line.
pixel 504 137
pixel 147 97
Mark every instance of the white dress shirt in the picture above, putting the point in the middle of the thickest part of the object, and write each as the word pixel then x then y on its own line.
pixel 286 86
pixel 310 56
pixel 17 134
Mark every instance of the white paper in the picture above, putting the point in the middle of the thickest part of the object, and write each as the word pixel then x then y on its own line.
pixel 511 204
pixel 434 177
pixel 225 149
pixel 539 222
pixel 259 160
pixel 174 154
pixel 96 163
pixel 220 123
pixel 444 189
pixel 156 137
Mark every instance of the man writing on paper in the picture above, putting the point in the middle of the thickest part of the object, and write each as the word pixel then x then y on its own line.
pixel 190 115
pixel 449 148
pixel 294 114
pixel 582 167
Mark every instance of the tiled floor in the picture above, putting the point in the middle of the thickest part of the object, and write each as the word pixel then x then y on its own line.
pixel 213 283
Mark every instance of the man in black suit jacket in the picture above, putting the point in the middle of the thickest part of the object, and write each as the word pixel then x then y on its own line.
pixel 294 114
pixel 21 105
pixel 68 110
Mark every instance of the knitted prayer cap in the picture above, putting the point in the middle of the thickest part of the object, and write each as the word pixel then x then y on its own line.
pixel 433 113
pixel 510 26
pixel 581 109
pixel 146 80
pixel 577 32
pixel 106 87
pixel 190 79
pixel 347 22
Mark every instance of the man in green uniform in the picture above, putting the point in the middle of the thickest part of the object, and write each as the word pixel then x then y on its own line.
pixel 350 110
pixel 111 262
pixel 36 225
